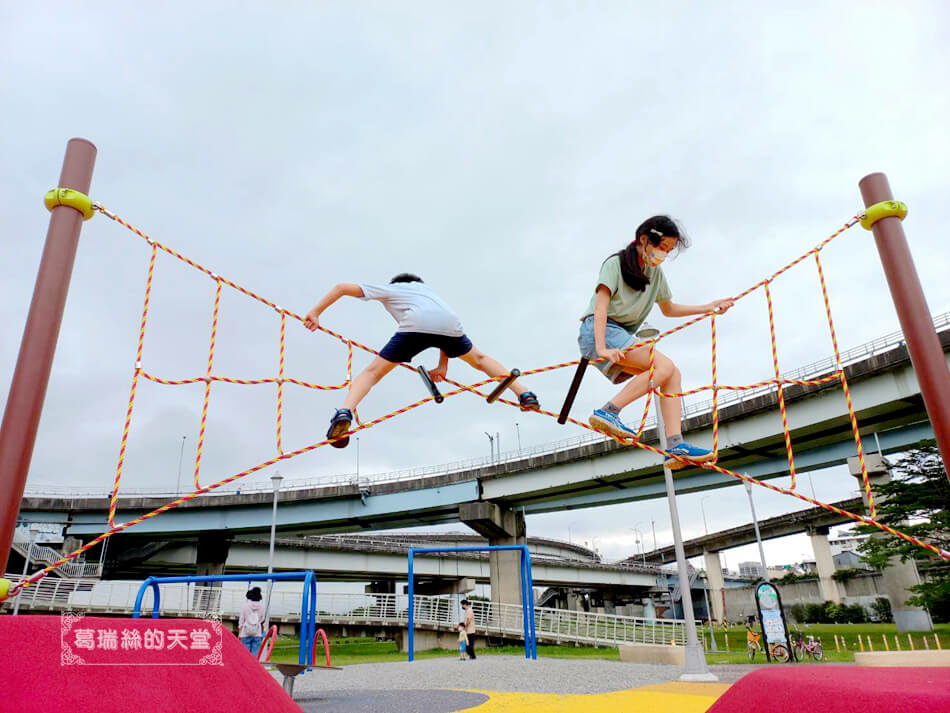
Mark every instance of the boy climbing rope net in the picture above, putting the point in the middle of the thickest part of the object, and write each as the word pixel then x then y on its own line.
pixel 425 321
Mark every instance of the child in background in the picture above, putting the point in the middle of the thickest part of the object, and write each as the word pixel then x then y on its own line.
pixel 251 621
pixel 463 640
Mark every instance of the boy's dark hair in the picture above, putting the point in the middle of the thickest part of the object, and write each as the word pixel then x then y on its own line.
pixel 655 229
pixel 465 601
pixel 254 594
pixel 405 277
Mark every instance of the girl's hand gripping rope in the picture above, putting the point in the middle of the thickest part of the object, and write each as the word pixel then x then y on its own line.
pixel 721 306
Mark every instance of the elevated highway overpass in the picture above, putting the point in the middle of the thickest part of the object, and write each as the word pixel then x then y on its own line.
pixel 383 559
pixel 812 519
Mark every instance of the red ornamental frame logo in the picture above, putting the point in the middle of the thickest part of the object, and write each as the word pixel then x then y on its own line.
pixel 140 642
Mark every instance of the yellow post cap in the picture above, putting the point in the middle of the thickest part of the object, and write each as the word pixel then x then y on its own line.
pixel 71 198
pixel 884 209
pixel 5 585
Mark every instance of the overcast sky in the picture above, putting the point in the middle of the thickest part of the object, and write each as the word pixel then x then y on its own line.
pixel 500 150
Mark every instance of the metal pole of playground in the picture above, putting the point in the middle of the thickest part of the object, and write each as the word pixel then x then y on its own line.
pixel 696 668
pixel 276 479
pixel 923 345
pixel 758 534
pixel 21 418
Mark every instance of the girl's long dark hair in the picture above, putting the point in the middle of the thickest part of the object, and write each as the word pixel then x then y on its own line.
pixel 655 228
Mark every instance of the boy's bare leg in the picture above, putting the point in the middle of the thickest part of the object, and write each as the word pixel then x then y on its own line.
pixel 490 366
pixel 366 380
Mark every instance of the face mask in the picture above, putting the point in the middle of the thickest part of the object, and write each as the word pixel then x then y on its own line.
pixel 655 257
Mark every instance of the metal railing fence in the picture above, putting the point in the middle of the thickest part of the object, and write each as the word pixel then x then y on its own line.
pixel 442 612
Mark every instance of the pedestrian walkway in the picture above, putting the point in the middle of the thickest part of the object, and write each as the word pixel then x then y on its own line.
pixel 504 684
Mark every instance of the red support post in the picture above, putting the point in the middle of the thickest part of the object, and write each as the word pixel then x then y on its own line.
pixel 916 322
pixel 21 417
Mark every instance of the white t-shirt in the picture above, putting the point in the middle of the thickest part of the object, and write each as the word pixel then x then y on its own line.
pixel 416 308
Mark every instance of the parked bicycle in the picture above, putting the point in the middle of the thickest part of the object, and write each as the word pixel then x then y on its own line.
pixel 777 652
pixel 812 647
pixel 752 639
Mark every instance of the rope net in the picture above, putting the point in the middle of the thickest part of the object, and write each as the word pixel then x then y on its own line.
pixel 209 377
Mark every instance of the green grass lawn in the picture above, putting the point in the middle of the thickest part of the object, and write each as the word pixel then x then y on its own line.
pixel 847 640
pixel 350 651
pixel 346 652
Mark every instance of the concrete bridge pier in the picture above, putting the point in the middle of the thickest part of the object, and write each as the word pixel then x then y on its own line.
pixel 211 555
pixel 897 576
pixel 501 526
pixel 716 584
pixel 825 563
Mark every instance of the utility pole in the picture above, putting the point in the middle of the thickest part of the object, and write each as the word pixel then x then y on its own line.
pixel 181 454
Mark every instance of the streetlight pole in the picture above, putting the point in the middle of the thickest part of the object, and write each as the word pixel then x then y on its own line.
pixel 642 541
pixel 639 542
pixel 712 633
pixel 518 430
pixel 696 668
pixel 702 507
pixel 758 535
pixel 181 453
pixel 276 478
pixel 653 525
pixel 491 445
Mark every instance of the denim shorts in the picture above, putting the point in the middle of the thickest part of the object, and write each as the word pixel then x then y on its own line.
pixel 252 643
pixel 405 345
pixel 615 337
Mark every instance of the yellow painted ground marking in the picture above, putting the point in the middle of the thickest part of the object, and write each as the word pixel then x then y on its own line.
pixel 674 697
pixel 693 689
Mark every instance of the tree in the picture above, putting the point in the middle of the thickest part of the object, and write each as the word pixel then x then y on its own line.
pixel 917 502
pixel 882 610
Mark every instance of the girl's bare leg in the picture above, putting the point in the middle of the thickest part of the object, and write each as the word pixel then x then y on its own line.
pixel 666 376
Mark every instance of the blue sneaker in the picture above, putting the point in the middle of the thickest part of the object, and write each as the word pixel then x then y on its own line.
pixel 691 453
pixel 610 423
pixel 339 425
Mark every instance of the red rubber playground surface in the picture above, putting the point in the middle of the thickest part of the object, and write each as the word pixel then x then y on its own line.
pixel 839 689
pixel 75 664
pixel 156 665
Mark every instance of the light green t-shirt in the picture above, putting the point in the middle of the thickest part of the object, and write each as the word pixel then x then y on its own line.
pixel 628 306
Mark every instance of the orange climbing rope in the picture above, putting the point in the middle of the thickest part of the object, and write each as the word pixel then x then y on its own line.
pixel 209 377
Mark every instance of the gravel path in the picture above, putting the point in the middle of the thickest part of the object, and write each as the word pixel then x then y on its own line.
pixel 487 673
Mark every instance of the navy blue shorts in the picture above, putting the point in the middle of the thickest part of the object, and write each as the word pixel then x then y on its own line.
pixel 405 345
